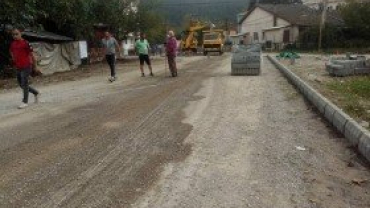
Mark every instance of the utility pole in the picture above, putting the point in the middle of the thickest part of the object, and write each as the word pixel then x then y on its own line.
pixel 322 23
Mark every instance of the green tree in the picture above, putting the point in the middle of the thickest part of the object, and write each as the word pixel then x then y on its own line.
pixel 76 18
pixel 356 17
pixel 20 12
pixel 68 17
pixel 151 22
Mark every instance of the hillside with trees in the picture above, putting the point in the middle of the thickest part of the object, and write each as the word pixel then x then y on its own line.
pixel 177 11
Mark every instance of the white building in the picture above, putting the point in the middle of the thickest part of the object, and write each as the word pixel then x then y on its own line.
pixel 128 45
pixel 276 25
pixel 330 4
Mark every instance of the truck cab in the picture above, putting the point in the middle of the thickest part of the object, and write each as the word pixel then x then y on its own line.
pixel 213 41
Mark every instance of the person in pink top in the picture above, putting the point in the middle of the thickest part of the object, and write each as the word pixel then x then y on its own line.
pixel 171 49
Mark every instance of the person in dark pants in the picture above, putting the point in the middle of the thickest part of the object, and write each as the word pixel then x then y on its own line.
pixel 171 49
pixel 142 48
pixel 22 56
pixel 110 44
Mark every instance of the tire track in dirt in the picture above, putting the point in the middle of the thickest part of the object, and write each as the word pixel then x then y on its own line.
pixel 54 167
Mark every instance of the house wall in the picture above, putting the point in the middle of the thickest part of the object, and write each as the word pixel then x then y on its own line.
pixel 295 33
pixel 276 36
pixel 331 4
pixel 257 21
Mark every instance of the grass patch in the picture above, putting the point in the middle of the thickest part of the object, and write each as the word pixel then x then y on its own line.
pixel 358 86
pixel 357 110
pixel 353 95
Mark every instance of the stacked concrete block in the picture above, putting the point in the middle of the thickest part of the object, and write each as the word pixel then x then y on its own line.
pixel 362 70
pixel 342 67
pixel 246 60
pixel 358 136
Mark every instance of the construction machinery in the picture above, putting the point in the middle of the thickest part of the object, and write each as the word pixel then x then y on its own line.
pixel 189 41
pixel 213 41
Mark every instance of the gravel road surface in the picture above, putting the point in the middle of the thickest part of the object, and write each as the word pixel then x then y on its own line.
pixel 203 139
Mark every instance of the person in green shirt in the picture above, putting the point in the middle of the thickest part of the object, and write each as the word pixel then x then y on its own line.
pixel 142 48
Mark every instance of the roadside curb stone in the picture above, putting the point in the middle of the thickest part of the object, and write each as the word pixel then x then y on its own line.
pixel 321 103
pixel 352 132
pixel 364 145
pixel 330 110
pixel 358 136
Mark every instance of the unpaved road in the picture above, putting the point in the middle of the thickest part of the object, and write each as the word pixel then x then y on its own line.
pixel 204 139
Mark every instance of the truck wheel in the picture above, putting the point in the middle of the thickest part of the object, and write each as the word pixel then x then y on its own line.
pixel 205 53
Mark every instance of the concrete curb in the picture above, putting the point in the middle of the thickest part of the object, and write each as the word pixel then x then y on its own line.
pixel 358 136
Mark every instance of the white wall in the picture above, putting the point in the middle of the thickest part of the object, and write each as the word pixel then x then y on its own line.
pixel 294 34
pixel 277 35
pixel 257 21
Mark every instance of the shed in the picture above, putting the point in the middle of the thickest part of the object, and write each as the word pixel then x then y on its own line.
pixel 55 53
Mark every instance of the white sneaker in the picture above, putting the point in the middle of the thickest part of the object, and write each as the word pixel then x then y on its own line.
pixel 37 98
pixel 112 79
pixel 23 105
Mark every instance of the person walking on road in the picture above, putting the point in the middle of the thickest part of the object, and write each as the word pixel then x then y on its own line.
pixel 142 48
pixel 110 44
pixel 22 56
pixel 171 49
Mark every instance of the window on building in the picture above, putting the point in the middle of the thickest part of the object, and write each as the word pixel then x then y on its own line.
pixel 255 36
pixel 286 36
pixel 263 36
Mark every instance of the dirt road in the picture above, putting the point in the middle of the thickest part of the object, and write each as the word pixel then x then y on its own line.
pixel 204 139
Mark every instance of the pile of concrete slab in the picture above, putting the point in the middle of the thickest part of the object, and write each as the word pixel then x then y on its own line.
pixel 347 66
pixel 246 60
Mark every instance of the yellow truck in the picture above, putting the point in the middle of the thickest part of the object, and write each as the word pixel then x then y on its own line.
pixel 213 41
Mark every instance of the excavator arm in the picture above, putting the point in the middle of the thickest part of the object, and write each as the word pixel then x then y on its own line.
pixel 190 42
